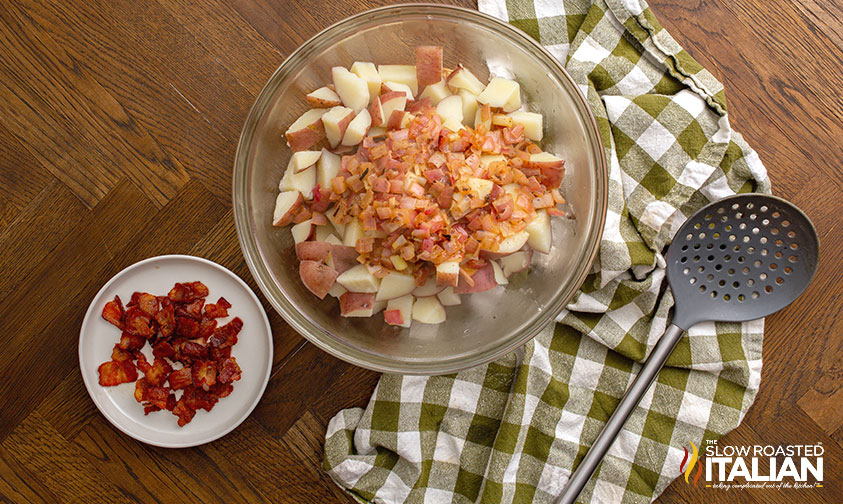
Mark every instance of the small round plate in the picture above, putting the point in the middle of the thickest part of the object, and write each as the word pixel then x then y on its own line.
pixel 253 352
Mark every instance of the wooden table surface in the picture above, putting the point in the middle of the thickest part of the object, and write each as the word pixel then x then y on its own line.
pixel 117 134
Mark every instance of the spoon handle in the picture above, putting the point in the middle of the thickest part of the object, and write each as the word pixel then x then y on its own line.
pixel 625 408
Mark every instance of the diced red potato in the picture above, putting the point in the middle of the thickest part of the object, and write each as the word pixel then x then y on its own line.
pixel 551 167
pixel 394 100
pixel 303 160
pixel 404 74
pixel 395 285
pixel 450 108
pixel 377 132
pixel 336 290
pixel 302 231
pixel 515 262
pixel 532 123
pixel 448 273
pixel 286 205
pixel 429 288
pixel 335 122
pixel 352 90
pixel 323 97
pixel 327 167
pixel 428 65
pixel 359 279
pixel 448 297
pixel 399 119
pixel 469 106
pixel 353 232
pixel 344 257
pixel 323 233
pixel 484 279
pixel 313 250
pixel 501 93
pixel 393 317
pixel 376 113
pixel 399 311
pixel 333 240
pixel 462 78
pixel 317 277
pixel 500 277
pixel 357 128
pixel 428 310
pixel 539 232
pixel 369 73
pixel 483 116
pixel 436 92
pixel 357 304
pixel 306 130
pixel 303 181
pixel 507 246
pixel 397 87
pixel 332 218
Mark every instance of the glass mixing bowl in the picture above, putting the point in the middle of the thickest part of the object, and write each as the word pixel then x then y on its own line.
pixel 486 325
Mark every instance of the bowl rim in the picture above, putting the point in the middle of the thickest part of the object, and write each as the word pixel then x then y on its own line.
pixel 371 360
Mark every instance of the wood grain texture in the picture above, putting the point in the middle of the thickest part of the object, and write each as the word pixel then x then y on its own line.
pixel 118 126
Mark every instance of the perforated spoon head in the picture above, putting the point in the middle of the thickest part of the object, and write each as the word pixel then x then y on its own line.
pixel 741 258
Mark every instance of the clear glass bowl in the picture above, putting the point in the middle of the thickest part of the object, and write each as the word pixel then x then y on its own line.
pixel 486 325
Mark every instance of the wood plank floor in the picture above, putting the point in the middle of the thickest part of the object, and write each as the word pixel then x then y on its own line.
pixel 118 118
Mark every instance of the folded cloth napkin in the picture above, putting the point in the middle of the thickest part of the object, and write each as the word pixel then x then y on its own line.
pixel 513 430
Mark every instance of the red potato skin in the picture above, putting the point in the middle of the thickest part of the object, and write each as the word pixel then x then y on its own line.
pixel 428 65
pixel 313 250
pixel 344 258
pixel 551 172
pixel 394 121
pixel 287 218
pixel 393 317
pixel 352 301
pixel 343 125
pixel 376 111
pixel 387 94
pixel 317 277
pixel 303 139
pixel 317 102
pixel 484 279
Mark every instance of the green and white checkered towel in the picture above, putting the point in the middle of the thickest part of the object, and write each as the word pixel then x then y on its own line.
pixel 513 430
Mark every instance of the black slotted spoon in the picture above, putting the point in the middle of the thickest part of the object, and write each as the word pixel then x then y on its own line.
pixel 741 258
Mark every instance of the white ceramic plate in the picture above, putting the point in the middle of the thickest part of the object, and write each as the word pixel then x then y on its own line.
pixel 253 352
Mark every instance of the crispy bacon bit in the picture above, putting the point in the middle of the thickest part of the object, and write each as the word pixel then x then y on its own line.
pixel 146 302
pixel 119 354
pixel 192 310
pixel 181 378
pixel 204 373
pixel 229 371
pixel 166 319
pixel 116 372
pixel 137 323
pixel 186 327
pixel 197 398
pixel 194 350
pixel 163 350
pixel 220 390
pixel 226 335
pixel 157 374
pixel 131 342
pixel 183 411
pixel 180 328
pixel 114 313
pixel 206 328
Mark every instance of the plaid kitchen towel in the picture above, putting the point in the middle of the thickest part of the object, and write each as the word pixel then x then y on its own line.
pixel 513 430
